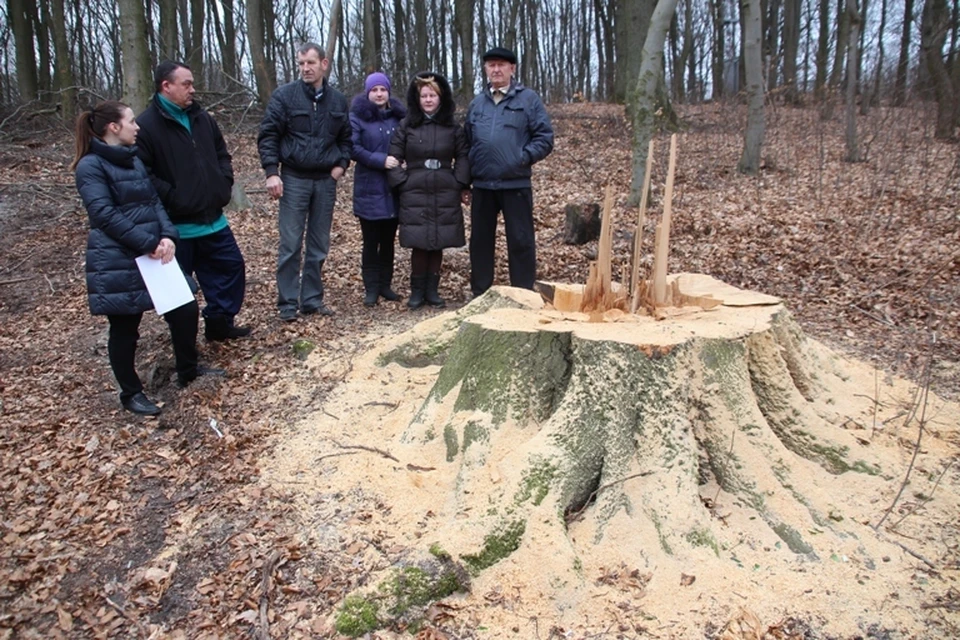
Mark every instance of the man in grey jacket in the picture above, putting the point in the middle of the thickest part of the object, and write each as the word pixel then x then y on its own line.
pixel 304 146
pixel 508 130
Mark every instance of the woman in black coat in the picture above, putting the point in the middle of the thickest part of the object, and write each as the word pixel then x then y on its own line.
pixel 433 180
pixel 126 221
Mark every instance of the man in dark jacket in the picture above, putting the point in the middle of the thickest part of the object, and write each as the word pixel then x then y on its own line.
pixel 187 158
pixel 305 147
pixel 508 130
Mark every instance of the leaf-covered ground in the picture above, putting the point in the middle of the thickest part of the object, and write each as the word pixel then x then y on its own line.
pixel 116 526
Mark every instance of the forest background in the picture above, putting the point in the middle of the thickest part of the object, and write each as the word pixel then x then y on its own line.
pixel 840 116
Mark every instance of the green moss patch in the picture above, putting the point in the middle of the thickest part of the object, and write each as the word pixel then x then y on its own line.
pixel 496 547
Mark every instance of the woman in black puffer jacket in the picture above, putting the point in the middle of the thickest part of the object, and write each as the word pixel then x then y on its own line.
pixel 126 221
pixel 433 180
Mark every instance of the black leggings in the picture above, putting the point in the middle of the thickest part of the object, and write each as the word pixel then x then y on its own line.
pixel 378 241
pixel 122 345
pixel 423 262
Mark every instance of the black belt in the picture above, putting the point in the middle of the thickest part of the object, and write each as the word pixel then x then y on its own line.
pixel 429 163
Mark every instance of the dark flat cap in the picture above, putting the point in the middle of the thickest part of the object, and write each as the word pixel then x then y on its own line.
pixel 500 53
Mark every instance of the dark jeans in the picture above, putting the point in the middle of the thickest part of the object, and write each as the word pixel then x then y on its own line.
pixel 306 207
pixel 122 346
pixel 378 243
pixel 423 262
pixel 221 272
pixel 517 208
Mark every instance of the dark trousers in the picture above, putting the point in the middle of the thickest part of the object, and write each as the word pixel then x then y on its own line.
pixel 221 273
pixel 423 262
pixel 517 208
pixel 378 243
pixel 122 346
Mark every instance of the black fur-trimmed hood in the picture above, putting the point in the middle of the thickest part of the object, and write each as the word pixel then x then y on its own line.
pixel 447 108
pixel 369 112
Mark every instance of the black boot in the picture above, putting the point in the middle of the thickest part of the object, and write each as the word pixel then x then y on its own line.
pixel 371 285
pixel 386 280
pixel 418 286
pixel 432 294
pixel 219 328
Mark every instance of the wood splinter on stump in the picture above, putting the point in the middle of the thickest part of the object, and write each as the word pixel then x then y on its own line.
pixel 655 296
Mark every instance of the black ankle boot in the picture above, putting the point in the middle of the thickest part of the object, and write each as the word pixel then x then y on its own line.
pixel 371 285
pixel 418 286
pixel 386 280
pixel 432 295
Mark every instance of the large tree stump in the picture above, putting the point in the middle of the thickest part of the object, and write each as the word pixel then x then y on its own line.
pixel 635 428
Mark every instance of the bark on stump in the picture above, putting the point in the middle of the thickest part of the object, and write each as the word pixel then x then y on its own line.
pixel 632 428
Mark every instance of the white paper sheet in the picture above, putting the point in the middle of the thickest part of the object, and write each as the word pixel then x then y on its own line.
pixel 166 283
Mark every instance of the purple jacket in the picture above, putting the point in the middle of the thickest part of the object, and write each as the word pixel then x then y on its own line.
pixel 372 128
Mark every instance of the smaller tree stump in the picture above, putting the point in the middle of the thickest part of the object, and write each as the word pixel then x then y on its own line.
pixel 582 223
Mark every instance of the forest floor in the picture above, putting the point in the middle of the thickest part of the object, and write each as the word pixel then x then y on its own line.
pixel 116 526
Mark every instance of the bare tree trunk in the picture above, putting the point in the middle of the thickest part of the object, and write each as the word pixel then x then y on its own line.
pixel 420 29
pixel 368 51
pixel 265 77
pixel 823 51
pixel 65 78
pixel 399 28
pixel 772 46
pixel 791 45
pixel 881 33
pixel 853 19
pixel 41 18
pixel 336 19
pixel 169 37
pixel 26 65
pixel 137 85
pixel 933 33
pixel 463 17
pixel 195 55
pixel 843 36
pixel 632 25
pixel 753 136
pixel 900 88
pixel 719 47
pixel 648 94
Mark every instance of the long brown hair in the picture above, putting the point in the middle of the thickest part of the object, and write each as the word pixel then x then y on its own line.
pixel 93 124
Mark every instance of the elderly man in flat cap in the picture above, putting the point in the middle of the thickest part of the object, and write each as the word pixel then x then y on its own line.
pixel 508 130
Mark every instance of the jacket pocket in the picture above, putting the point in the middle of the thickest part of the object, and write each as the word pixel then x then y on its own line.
pixel 300 121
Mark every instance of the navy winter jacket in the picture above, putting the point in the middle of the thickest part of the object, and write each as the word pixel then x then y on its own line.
pixel 307 136
pixel 191 170
pixel 127 220
pixel 506 139
pixel 372 127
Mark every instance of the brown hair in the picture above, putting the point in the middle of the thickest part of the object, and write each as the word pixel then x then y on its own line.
pixel 93 124
pixel 427 81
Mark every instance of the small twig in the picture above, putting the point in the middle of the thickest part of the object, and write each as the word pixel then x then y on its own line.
pixel 385 454
pixel 268 568
pixel 924 500
pixel 914 554
pixel 123 612
pixel 52 290
pixel 573 516
pixel 874 317
pixel 324 409
pixel 14 267
pixel 921 402
pixel 334 455
pixel 392 405
pixel 16 280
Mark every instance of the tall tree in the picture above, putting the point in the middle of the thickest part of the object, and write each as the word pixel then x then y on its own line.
pixel 753 136
pixel 934 26
pixel 632 25
pixel 65 79
pixel 169 36
pixel 853 19
pixel 463 17
pixel 266 78
pixel 26 61
pixel 903 62
pixel 648 95
pixel 791 47
pixel 370 58
pixel 195 52
pixel 135 54
pixel 718 53
pixel 823 50
pixel 772 42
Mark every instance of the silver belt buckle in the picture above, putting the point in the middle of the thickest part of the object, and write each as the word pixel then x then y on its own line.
pixel 432 163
